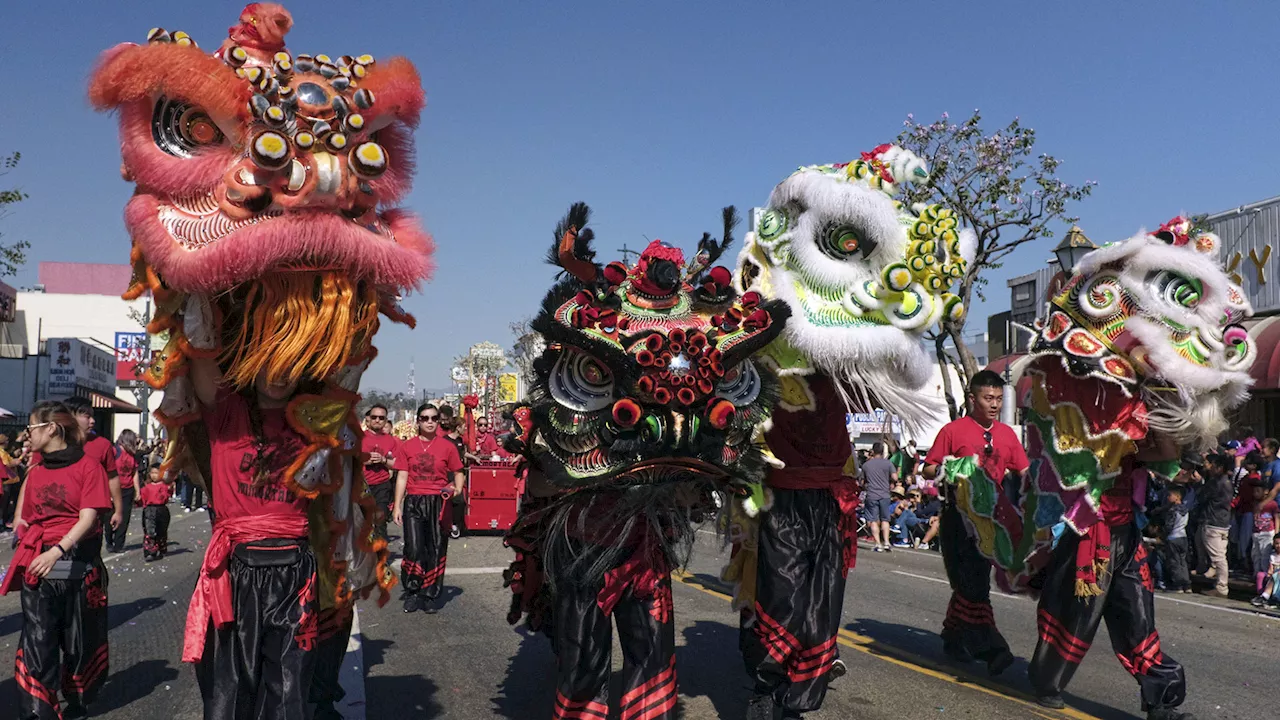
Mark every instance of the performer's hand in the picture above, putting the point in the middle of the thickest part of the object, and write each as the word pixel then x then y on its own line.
pixel 376 458
pixel 116 517
pixel 44 562
pixel 397 516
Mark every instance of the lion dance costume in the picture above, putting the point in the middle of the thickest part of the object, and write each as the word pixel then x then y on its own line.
pixel 1141 352
pixel 864 277
pixel 257 229
pixel 643 406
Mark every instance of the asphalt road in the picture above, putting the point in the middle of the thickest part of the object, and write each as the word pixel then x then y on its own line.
pixel 466 662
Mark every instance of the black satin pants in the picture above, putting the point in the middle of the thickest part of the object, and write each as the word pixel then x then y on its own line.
pixel 583 639
pixel 114 539
pixel 426 543
pixel 788 640
pixel 1068 623
pixel 64 638
pixel 155 531
pixel 260 666
pixel 969 622
pixel 333 634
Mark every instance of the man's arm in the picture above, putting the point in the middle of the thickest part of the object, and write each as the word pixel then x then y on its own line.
pixel 397 507
pixel 117 500
pixel 458 479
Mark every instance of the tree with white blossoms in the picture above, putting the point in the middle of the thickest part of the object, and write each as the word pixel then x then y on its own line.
pixel 998 187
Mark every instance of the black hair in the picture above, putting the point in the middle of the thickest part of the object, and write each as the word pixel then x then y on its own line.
pixel 59 414
pixel 1220 460
pixel 78 406
pixel 1253 458
pixel 1271 444
pixel 985 379
pixel 425 406
pixel 1176 488
pixel 376 406
pixel 877 448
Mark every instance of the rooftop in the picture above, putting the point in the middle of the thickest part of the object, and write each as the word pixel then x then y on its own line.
pixel 70 278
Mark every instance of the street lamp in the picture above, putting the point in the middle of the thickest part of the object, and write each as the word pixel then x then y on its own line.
pixel 1074 246
pixel 1072 249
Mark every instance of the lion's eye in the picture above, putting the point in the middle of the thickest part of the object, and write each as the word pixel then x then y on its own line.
pixel 841 241
pixel 741 385
pixel 580 382
pixel 180 128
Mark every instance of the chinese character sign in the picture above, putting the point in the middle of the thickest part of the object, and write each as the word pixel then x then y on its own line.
pixel 75 363
pixel 132 349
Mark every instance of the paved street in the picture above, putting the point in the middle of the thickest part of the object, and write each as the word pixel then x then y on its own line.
pixel 465 662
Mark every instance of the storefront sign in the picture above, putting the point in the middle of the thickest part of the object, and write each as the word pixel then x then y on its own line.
pixel 876 423
pixel 75 363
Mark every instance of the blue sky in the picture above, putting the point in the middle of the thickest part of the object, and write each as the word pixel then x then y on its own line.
pixel 659 113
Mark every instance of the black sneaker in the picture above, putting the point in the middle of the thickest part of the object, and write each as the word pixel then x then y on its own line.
pixel 1258 601
pixel 71 712
pixel 412 603
pixel 1169 714
pixel 761 707
pixel 1053 702
pixel 999 663
pixel 837 671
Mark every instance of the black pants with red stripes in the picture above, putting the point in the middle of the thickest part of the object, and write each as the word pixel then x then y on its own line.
pixel 155 531
pixel 332 635
pixel 789 639
pixel 426 543
pixel 1068 623
pixel 260 666
pixel 583 639
pixel 969 624
pixel 64 638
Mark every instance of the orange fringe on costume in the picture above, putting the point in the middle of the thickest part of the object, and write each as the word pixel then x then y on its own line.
pixel 297 325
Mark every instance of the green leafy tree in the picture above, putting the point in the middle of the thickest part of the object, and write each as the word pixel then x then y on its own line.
pixel 12 255
pixel 1001 189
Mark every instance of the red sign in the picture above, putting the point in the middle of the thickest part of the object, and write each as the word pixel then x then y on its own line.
pixel 132 349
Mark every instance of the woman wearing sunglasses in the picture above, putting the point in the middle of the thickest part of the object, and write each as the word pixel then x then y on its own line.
pixel 58 569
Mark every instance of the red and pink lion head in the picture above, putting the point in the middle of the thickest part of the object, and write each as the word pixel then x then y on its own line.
pixel 252 159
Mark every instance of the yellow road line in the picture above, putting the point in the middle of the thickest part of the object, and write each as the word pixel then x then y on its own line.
pixel 916 663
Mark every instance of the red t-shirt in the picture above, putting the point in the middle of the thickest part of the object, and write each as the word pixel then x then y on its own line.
pixel 966 438
pixel 384 443
pixel 54 498
pixel 126 468
pixel 234 456
pixel 430 464
pixel 155 493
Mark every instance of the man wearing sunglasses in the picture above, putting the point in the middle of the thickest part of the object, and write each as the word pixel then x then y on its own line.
pixel 380 448
pixel 428 473
pixel 969 629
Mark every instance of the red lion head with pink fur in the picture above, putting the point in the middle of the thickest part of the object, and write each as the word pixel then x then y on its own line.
pixel 251 159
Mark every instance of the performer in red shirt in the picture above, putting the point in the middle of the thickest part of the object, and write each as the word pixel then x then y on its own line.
pixel 101 450
pixel 382 448
pixel 58 568
pixel 252 622
pixel 429 472
pixel 969 628
pixel 155 516
pixel 126 460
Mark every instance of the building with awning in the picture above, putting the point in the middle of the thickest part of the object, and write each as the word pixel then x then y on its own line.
pixel 1250 244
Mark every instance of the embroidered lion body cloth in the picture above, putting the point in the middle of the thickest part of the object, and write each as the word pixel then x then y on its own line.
pixel 1143 343
pixel 644 404
pixel 263 226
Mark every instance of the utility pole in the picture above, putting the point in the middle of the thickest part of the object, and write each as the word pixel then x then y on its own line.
pixel 627 253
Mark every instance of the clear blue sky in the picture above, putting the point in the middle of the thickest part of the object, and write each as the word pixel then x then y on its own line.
pixel 660 113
